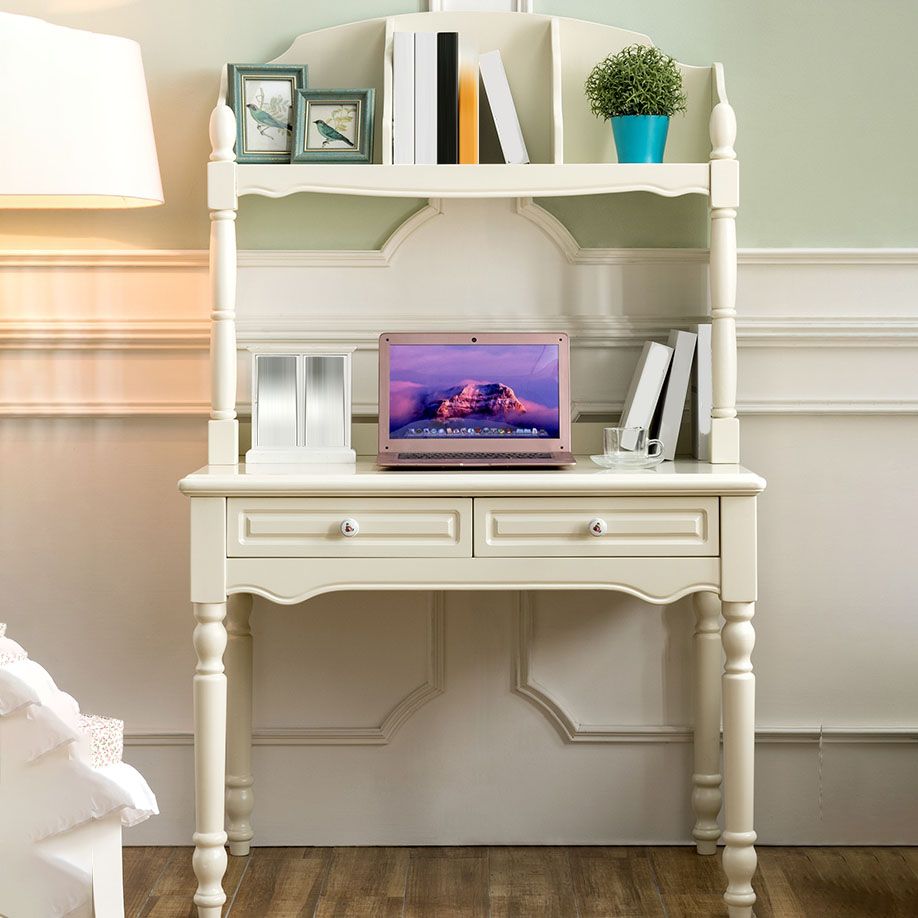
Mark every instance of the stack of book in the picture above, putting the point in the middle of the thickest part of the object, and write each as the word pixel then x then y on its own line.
pixel 665 376
pixel 435 100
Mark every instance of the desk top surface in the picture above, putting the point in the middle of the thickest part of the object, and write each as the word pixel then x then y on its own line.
pixel 685 477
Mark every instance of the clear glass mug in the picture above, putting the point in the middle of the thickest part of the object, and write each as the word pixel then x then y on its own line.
pixel 631 446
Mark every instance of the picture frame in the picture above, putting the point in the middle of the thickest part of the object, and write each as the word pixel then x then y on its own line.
pixel 334 126
pixel 301 405
pixel 488 6
pixel 257 94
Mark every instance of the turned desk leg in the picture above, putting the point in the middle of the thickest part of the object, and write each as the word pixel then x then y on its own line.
pixel 209 859
pixel 239 796
pixel 706 778
pixel 739 752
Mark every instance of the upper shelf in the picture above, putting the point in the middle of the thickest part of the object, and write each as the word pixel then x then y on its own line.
pixel 536 180
pixel 547 59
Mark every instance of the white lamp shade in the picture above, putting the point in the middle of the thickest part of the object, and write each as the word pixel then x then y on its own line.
pixel 75 127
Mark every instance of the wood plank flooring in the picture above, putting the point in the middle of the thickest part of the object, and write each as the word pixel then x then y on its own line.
pixel 572 882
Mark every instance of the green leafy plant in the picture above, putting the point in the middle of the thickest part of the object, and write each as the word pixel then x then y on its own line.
pixel 636 81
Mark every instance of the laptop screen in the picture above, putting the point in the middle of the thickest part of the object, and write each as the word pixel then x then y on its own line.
pixel 474 391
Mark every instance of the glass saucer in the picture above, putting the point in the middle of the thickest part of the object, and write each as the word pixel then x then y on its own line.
pixel 631 465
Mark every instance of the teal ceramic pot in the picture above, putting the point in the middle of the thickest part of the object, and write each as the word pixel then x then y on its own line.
pixel 640 138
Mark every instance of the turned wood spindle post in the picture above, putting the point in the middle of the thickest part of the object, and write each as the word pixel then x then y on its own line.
pixel 724 203
pixel 223 428
pixel 209 858
pixel 706 777
pixel 740 859
pixel 240 799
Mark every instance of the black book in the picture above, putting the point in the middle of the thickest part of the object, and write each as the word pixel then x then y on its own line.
pixel 447 97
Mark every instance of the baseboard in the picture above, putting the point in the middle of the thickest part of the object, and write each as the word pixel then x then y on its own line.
pixel 799 736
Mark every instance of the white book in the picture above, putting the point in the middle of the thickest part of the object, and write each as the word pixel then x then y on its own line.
pixel 671 406
pixel 702 389
pixel 425 98
pixel 403 98
pixel 646 384
pixel 500 99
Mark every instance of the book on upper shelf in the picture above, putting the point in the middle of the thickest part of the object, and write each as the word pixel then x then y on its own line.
pixel 646 385
pixel 425 98
pixel 503 109
pixel 702 394
pixel 438 114
pixel 468 102
pixel 447 98
pixel 403 98
pixel 667 419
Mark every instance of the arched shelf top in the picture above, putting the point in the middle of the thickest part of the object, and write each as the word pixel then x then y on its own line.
pixel 457 21
pixel 547 59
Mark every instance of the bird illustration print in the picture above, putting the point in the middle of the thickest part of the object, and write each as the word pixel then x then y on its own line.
pixel 265 121
pixel 330 134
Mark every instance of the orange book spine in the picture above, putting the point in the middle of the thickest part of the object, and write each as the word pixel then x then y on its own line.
pixel 468 107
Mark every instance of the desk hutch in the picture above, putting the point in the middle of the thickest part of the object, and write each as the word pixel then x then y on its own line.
pixel 685 527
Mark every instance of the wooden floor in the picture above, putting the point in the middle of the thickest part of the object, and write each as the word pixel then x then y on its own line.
pixel 523 882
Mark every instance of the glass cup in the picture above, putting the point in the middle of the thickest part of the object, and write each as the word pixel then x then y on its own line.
pixel 630 446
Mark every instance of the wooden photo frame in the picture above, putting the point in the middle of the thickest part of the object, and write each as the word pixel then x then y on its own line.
pixel 263 98
pixel 333 126
pixel 484 6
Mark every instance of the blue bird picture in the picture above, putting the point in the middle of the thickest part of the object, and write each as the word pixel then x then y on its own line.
pixel 332 126
pixel 330 134
pixel 265 121
pixel 268 114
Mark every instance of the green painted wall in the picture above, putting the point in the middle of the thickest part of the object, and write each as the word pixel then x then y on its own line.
pixel 825 93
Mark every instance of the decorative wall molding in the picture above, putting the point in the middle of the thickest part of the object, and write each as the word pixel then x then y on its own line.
pixel 581 409
pixel 578 255
pixel 344 258
pixel 374 735
pixel 103 258
pixel 828 331
pixel 363 331
pixel 110 409
pixel 808 407
pixel 382 257
pixel 592 331
pixel 798 736
pixel 246 258
pixel 105 334
pixel 146 355
pixel 562 237
pixel 571 730
pixel 829 256
pixel 812 407
pixel 379 734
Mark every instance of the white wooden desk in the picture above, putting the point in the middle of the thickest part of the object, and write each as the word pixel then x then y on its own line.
pixel 684 527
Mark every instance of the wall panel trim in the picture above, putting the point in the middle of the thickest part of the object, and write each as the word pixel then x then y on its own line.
pixel 580 255
pixel 800 736
pixel 373 735
pixel 526 685
pixel 120 363
pixel 274 258
pixel 585 331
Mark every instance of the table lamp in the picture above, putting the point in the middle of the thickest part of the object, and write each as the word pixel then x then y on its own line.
pixel 75 131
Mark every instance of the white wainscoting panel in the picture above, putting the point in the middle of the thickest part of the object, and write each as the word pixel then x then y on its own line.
pixel 417 719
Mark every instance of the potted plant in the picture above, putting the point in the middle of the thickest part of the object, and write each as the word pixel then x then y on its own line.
pixel 638 89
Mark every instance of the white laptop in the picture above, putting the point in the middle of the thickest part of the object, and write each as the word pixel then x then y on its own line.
pixel 474 400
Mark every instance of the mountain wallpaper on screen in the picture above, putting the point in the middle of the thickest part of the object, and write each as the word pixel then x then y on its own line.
pixel 514 390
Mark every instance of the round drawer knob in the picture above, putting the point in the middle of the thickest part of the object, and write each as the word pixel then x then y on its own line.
pixel 349 528
pixel 598 527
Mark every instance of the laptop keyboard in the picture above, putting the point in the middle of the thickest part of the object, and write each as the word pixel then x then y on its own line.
pixel 476 457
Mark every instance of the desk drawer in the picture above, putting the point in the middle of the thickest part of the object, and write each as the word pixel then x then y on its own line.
pixel 295 527
pixel 641 526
